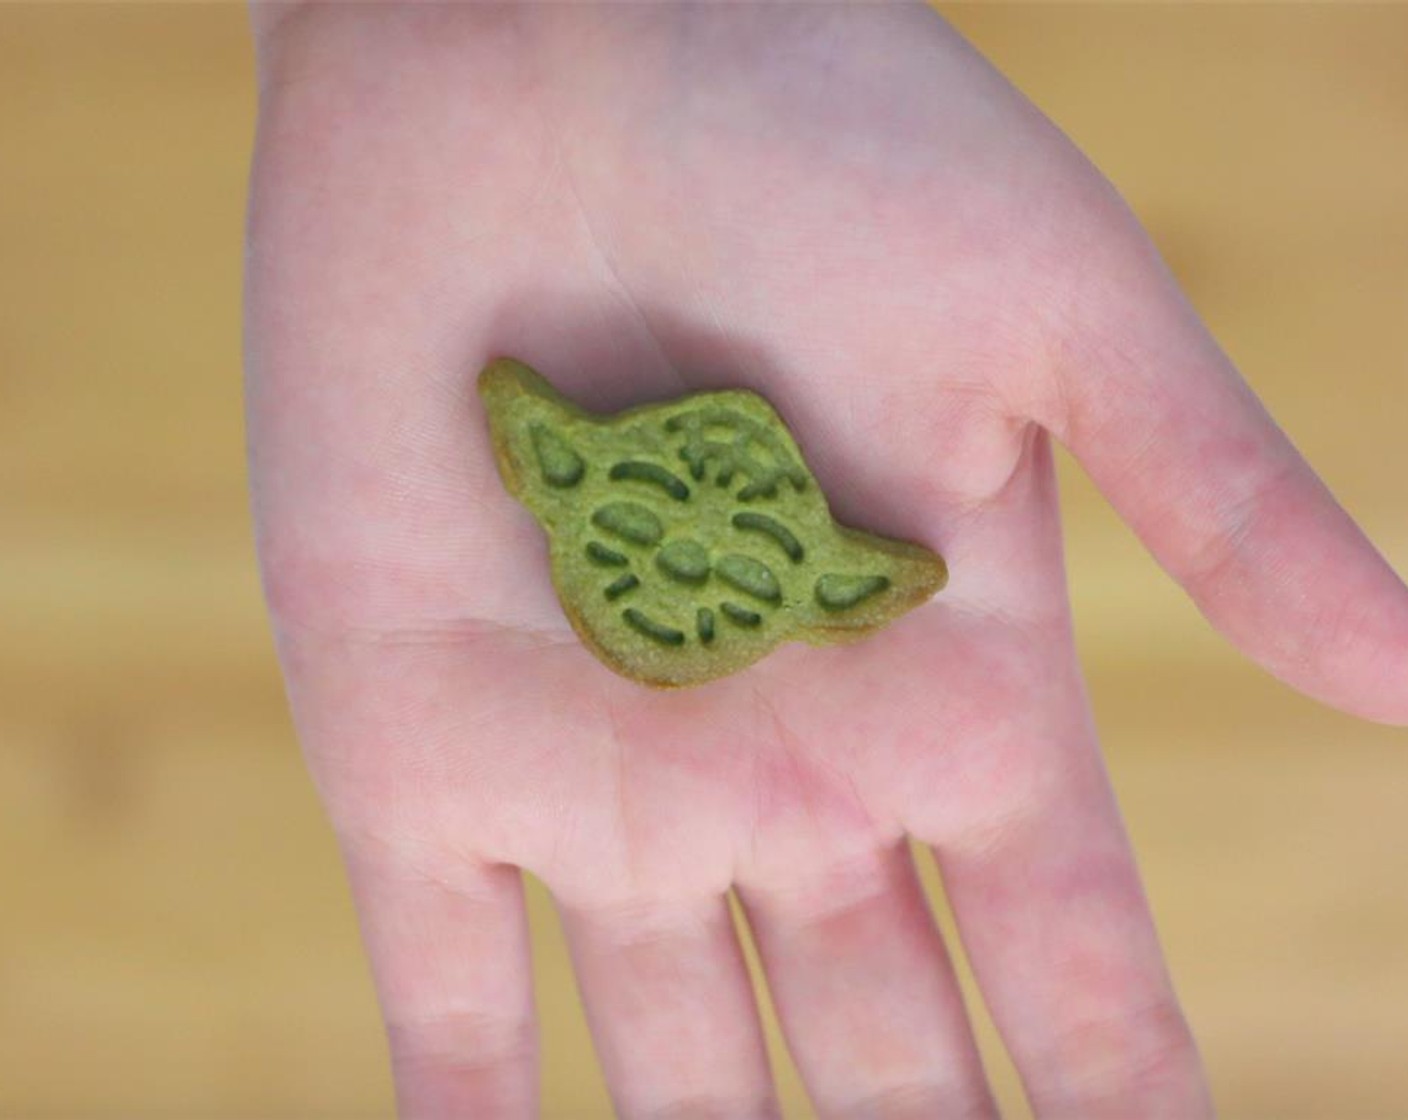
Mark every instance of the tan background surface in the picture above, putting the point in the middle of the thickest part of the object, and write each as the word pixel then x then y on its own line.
pixel 175 939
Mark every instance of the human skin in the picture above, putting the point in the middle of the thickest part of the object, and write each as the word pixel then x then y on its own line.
pixel 849 211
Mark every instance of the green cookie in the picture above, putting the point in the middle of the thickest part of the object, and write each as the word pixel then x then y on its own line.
pixel 688 538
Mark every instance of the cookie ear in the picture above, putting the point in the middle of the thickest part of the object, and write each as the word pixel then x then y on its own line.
pixel 524 414
pixel 506 385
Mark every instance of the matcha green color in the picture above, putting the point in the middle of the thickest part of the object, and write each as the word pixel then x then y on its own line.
pixel 688 539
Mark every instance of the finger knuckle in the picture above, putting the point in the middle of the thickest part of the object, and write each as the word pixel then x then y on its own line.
pixel 1137 1054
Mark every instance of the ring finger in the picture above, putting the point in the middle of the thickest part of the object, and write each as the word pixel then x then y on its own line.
pixel 865 991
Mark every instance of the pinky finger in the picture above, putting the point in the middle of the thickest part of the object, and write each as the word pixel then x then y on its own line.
pixel 452 968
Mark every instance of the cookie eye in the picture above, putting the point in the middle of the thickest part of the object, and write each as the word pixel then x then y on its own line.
pixel 750 576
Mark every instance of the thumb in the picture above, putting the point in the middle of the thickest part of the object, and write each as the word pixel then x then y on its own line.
pixel 1184 450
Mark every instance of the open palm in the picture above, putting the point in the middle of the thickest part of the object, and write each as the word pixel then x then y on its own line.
pixel 850 212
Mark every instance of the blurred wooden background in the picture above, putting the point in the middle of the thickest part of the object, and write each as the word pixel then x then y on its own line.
pixel 175 939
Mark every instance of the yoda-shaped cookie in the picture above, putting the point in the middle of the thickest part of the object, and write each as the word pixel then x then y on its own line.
pixel 688 539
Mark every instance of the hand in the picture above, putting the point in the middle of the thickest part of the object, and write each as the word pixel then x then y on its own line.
pixel 849 211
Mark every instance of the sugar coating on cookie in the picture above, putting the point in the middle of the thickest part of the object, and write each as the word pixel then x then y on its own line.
pixel 688 538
